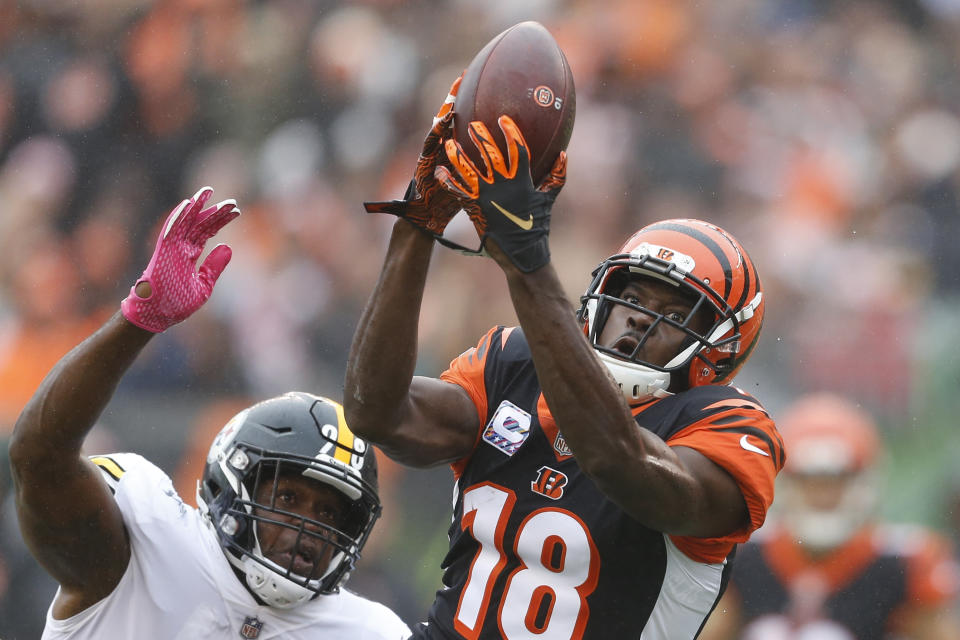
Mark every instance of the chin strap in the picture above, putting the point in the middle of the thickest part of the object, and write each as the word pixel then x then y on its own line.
pixel 271 587
pixel 637 383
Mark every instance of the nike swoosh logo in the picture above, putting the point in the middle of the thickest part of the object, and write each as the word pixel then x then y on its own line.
pixel 526 225
pixel 749 447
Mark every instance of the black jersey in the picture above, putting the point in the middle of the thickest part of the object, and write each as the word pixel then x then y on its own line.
pixel 859 590
pixel 537 551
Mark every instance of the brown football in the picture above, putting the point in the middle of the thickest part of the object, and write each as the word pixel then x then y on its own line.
pixel 521 73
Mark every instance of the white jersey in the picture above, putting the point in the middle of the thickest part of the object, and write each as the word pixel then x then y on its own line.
pixel 180 586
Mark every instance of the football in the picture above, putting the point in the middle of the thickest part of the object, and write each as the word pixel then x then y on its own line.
pixel 522 73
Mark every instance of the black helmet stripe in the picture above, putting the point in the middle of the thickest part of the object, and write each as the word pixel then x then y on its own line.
pixel 747 273
pixel 708 242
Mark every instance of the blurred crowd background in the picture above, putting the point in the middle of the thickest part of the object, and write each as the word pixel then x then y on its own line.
pixel 822 133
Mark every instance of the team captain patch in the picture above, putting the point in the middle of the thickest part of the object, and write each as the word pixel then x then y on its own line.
pixel 508 429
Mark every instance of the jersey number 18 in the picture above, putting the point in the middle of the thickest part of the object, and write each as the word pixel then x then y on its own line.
pixel 545 598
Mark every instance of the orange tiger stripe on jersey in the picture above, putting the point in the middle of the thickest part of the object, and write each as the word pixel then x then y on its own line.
pixel 931 570
pixel 733 402
pixel 933 576
pixel 753 472
pixel 466 370
pixel 837 569
pixel 549 426
pixel 504 336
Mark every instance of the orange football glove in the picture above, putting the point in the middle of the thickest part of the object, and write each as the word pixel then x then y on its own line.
pixel 426 204
pixel 501 200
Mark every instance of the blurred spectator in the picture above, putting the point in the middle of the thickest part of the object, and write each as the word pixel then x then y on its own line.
pixel 826 566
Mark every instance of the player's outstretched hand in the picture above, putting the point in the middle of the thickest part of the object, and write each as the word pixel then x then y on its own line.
pixel 501 199
pixel 426 204
pixel 172 288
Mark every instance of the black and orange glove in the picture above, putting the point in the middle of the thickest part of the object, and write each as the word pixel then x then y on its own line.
pixel 426 204
pixel 502 201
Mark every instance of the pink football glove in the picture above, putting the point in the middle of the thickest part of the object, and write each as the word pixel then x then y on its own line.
pixel 172 287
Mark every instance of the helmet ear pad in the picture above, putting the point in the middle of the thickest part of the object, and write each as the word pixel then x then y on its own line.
pixel 223 502
pixel 720 370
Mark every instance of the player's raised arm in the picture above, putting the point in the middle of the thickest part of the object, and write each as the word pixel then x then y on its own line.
pixel 67 514
pixel 419 421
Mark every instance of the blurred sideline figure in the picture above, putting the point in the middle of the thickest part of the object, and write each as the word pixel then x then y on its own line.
pixel 826 568
pixel 286 503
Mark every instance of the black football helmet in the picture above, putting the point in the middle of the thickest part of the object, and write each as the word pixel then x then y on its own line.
pixel 294 433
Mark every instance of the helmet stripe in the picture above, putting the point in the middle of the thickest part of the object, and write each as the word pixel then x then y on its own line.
pixel 706 241
pixel 344 436
pixel 748 271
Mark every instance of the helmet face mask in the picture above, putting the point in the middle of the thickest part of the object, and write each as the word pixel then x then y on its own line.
pixel 609 297
pixel 708 267
pixel 302 440
pixel 823 525
pixel 829 488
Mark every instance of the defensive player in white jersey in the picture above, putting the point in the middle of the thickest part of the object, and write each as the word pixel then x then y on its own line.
pixel 287 500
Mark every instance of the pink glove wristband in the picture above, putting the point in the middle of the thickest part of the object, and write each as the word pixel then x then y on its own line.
pixel 176 287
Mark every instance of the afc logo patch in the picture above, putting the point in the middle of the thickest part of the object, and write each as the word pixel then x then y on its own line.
pixel 251 627
pixel 549 483
pixel 508 429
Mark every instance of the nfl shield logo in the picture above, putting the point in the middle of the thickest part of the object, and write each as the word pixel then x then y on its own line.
pixel 560 446
pixel 251 627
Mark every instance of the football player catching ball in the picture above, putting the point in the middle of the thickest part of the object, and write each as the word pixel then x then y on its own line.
pixel 605 469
